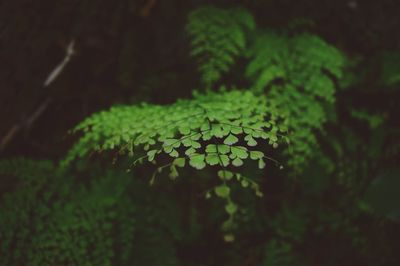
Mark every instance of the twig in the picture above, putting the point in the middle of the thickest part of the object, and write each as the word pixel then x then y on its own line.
pixel 27 123
pixel 60 67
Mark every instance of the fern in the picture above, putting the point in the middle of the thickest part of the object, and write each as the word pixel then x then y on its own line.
pixel 218 36
pixel 17 209
pixel 297 75
pixel 216 129
pixel 203 131
pixel 59 223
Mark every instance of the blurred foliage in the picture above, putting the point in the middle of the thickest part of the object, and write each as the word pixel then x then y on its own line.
pixel 299 74
pixel 49 220
pixel 321 95
pixel 390 68
pixel 217 37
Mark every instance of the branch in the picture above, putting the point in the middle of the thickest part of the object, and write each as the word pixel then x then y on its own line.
pixel 60 67
pixel 28 122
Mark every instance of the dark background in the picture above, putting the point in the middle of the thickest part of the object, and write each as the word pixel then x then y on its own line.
pixel 132 51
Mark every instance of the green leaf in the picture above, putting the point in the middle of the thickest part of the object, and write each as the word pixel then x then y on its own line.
pixel 191 143
pixel 184 130
pixel 174 143
pixel 237 162
pixel 238 176
pixel 205 126
pixel 217 131
pixel 223 149
pixel 173 173
pixel 224 174
pixel 244 183
pixel 174 153
pixel 151 155
pixel 196 136
pixel 255 155
pixel 208 195
pixel 196 145
pixel 273 137
pixel 226 128
pixel 168 149
pixel 261 164
pixel 207 135
pixel 264 135
pixel 257 190
pixel 236 130
pixel 222 191
pixel 239 151
pixel 250 140
pixel 187 142
pixel 212 159
pixel 197 161
pixel 224 159
pixel 180 162
pixel 283 128
pixel 211 148
pixel 230 208
pixel 248 130
pixel 231 139
pixel 190 151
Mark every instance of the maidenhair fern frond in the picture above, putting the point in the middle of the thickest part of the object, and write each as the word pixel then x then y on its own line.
pixel 297 76
pixel 205 130
pixel 186 129
pixel 218 36
pixel 216 129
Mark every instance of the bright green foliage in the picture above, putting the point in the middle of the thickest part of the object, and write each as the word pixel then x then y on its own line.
pixel 48 220
pixel 212 129
pixel 218 36
pixel 297 75
pixel 215 129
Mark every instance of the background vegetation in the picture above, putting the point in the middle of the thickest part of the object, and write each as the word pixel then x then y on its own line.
pixel 203 132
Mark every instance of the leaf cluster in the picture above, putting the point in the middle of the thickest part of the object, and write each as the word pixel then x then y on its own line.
pixel 297 74
pixel 217 37
pixel 216 129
